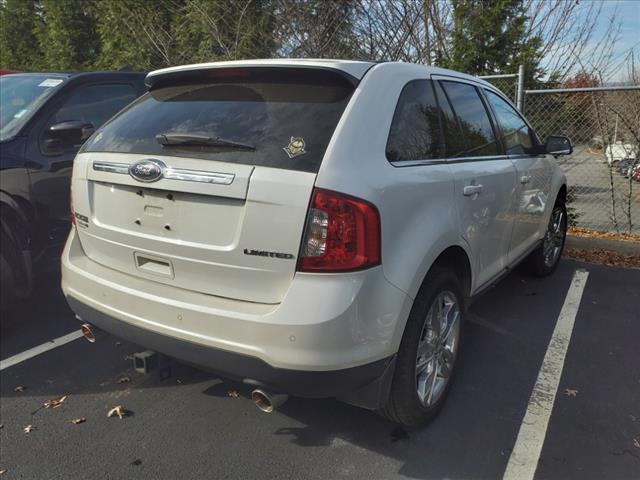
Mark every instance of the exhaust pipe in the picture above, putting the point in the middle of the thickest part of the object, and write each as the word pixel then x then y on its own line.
pixel 268 401
pixel 89 332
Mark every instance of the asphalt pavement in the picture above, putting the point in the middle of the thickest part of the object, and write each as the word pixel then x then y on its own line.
pixel 189 426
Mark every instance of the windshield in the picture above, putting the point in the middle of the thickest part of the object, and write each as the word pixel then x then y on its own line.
pixel 282 119
pixel 20 96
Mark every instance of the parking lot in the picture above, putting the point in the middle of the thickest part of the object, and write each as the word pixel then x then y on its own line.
pixel 188 426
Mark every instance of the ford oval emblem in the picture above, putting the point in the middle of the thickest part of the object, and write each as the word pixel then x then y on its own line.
pixel 147 170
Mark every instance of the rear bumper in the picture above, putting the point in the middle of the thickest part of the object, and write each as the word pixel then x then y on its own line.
pixel 344 383
pixel 332 336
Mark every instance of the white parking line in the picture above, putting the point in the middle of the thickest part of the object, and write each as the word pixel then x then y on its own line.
pixel 526 451
pixel 45 347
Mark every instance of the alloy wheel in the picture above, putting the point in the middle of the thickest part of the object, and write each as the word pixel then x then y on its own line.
pixel 554 237
pixel 437 348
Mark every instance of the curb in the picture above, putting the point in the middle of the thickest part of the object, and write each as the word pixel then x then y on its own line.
pixel 622 247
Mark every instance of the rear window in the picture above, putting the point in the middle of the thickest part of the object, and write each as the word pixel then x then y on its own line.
pixel 288 115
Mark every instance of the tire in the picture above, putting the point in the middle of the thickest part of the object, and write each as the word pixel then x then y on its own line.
pixel 542 262
pixel 404 405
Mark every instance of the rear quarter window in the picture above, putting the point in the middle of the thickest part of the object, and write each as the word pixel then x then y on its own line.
pixel 415 128
pixel 288 115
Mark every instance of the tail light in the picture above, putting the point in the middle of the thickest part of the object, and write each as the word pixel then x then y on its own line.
pixel 342 234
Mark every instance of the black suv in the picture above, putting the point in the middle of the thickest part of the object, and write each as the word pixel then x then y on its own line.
pixel 44 119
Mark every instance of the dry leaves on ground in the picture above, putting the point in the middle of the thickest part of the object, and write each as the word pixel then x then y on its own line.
pixel 570 392
pixel 604 257
pixel 78 420
pixel 124 380
pixel 636 442
pixel 117 411
pixel 28 428
pixel 233 394
pixel 583 232
pixel 3 471
pixel 54 402
pixel 19 388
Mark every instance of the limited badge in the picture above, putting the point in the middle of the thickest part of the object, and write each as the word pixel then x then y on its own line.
pixel 295 147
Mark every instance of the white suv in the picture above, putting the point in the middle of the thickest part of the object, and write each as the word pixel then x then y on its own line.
pixel 310 227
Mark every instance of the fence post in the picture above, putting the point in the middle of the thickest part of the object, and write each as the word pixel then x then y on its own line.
pixel 520 91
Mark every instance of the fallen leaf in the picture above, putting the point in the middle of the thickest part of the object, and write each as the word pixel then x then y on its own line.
pixel 233 394
pixel 124 380
pixel 136 462
pixel 636 442
pixel 2 472
pixel 117 410
pixel 54 402
pixel 19 388
pixel 570 392
pixel 28 428
pixel 78 420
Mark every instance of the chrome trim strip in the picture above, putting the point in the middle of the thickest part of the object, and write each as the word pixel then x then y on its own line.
pixel 172 173
pixel 440 161
pixel 198 176
pixel 111 167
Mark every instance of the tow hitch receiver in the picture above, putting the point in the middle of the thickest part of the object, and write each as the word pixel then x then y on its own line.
pixel 144 362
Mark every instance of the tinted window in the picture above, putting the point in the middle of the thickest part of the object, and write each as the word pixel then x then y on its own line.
pixel 516 134
pixel 288 116
pixel 95 103
pixel 474 120
pixel 454 143
pixel 415 129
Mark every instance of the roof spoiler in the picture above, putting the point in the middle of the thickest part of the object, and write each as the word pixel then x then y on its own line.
pixel 214 74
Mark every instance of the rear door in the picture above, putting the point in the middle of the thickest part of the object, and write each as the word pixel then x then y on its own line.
pixel 533 175
pixel 484 176
pixel 204 184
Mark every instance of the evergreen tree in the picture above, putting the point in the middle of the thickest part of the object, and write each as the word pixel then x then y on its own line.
pixel 19 47
pixel 490 36
pixel 210 30
pixel 124 27
pixel 68 40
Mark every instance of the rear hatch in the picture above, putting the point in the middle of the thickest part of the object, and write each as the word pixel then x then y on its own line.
pixel 204 182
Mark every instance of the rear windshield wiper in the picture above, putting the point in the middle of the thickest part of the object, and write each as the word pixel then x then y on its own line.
pixel 170 139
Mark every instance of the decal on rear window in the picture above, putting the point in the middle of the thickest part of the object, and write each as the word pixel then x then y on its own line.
pixel 295 147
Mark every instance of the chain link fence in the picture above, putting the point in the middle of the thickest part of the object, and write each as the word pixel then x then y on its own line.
pixel 507 84
pixel 602 173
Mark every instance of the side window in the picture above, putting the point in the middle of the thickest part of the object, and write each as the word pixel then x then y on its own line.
pixel 95 103
pixel 473 118
pixel 516 134
pixel 415 129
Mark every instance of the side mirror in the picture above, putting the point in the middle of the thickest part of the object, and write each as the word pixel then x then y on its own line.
pixel 66 135
pixel 557 145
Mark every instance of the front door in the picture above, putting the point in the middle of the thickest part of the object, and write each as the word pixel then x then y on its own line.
pixel 533 176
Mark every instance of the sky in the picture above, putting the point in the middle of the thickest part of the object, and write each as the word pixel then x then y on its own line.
pixel 629 39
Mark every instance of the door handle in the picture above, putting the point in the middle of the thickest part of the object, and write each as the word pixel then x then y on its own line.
pixel 525 179
pixel 470 190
